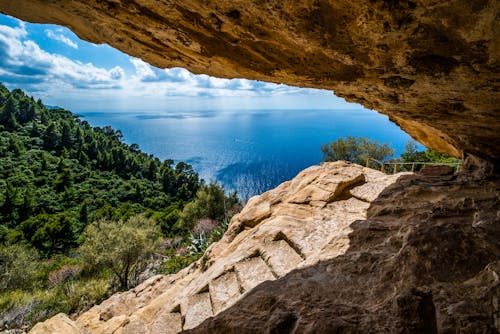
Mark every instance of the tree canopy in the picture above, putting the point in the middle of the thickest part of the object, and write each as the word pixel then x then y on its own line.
pixel 57 174
pixel 412 154
pixel 359 150
pixel 356 150
pixel 123 246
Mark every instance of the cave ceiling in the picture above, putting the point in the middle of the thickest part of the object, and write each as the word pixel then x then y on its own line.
pixel 430 65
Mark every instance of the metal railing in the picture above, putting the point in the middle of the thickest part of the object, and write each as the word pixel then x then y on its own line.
pixel 388 167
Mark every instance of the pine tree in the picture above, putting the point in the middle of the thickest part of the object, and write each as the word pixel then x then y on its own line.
pixel 15 145
pixel 44 118
pixel 79 139
pixel 63 180
pixel 152 170
pixel 83 214
pixel 8 115
pixel 35 131
pixel 66 137
pixel 26 111
pixel 9 206
pixel 44 165
pixel 50 137
pixel 27 207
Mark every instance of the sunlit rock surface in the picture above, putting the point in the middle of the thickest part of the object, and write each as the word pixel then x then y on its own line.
pixel 338 249
pixel 431 65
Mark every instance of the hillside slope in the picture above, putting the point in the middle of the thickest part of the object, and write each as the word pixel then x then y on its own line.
pixel 61 177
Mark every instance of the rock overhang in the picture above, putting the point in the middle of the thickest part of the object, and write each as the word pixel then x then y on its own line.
pixel 431 66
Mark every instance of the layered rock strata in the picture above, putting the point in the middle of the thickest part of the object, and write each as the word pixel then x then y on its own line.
pixel 425 260
pixel 338 249
pixel 431 65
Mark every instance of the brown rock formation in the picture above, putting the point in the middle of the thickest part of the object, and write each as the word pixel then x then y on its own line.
pixel 426 260
pixel 431 65
pixel 57 324
pixel 338 249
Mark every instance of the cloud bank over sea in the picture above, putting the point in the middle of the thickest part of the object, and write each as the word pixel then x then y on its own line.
pixel 52 63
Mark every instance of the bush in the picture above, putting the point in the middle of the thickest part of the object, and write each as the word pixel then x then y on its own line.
pixel 82 294
pixel 21 308
pixel 62 275
pixel 356 149
pixel 218 232
pixel 18 266
pixel 176 263
pixel 411 154
pixel 50 233
pixel 167 220
pixel 198 242
pixel 125 247
pixel 211 202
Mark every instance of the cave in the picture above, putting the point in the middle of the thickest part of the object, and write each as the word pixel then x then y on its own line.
pixel 431 66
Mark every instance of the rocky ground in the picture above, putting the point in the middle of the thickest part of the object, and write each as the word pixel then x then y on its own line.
pixel 338 249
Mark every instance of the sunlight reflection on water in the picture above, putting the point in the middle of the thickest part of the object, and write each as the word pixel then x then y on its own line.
pixel 250 151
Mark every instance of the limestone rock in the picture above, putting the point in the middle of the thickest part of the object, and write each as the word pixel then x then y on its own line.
pixel 431 65
pixel 438 170
pixel 378 253
pixel 425 259
pixel 257 210
pixel 288 234
pixel 57 324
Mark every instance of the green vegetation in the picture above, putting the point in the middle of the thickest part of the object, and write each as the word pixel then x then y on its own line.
pixel 412 155
pixel 414 160
pixel 210 202
pixel 124 247
pixel 82 214
pixel 358 150
pixel 209 215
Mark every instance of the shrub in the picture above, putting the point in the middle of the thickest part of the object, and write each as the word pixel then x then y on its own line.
pixel 411 154
pixel 205 225
pixel 218 232
pixel 176 263
pixel 211 202
pixel 62 275
pixel 18 266
pixel 198 242
pixel 124 247
pixel 356 149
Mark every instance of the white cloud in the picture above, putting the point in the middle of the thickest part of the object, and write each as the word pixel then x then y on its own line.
pixel 117 73
pixel 58 36
pixel 23 61
pixel 25 65
pixel 14 32
pixel 181 82
pixel 143 71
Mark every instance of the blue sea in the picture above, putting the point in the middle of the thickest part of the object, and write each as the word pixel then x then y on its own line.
pixel 249 151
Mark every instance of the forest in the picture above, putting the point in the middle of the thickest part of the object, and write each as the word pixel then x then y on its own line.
pixel 74 198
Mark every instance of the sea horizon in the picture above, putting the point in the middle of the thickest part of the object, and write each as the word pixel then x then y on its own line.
pixel 249 150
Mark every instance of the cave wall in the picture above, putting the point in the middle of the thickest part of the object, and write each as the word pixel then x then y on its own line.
pixel 430 65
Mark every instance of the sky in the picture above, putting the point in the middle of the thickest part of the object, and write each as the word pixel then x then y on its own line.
pixel 50 62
